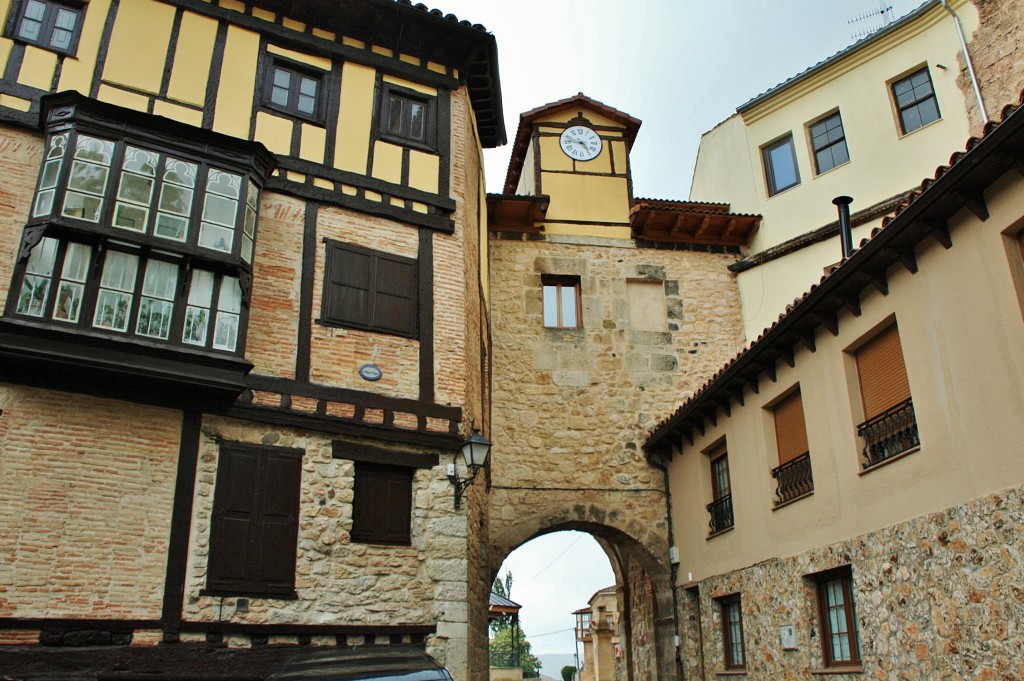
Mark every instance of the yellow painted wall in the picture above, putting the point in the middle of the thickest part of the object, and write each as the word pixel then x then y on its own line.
pixel 191 68
pixel 355 117
pixel 387 162
pixel 37 68
pixel 237 83
pixel 77 74
pixel 423 170
pixel 591 198
pixel 967 392
pixel 138 45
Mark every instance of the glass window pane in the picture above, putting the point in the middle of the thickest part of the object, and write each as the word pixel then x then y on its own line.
pixel 69 302
pixel 308 87
pixel 783 168
pixel 171 227
pixel 180 172
pixel 395 115
pixel 42 258
pixel 94 149
pixel 216 238
pixel 44 203
pixel 220 210
pixel 161 279
pixel 35 10
pixel 246 249
pixel 196 321
pixel 416 111
pixel 130 217
pixel 568 305
pixel 154 318
pixel 76 262
pixel 51 171
pixel 201 290
pixel 177 200
pixel 140 161
pixel 550 306
pixel 112 308
pixel 135 188
pixel 225 184
pixel 282 78
pixel 58 145
pixel 119 271
pixel 307 104
pixel 225 335
pixel 66 19
pixel 34 291
pixel 279 96
pixel 61 39
pixel 230 298
pixel 88 177
pixel 82 206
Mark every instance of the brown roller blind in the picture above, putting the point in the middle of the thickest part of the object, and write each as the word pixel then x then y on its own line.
pixel 790 431
pixel 883 375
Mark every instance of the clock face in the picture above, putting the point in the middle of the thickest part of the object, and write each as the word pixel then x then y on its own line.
pixel 580 143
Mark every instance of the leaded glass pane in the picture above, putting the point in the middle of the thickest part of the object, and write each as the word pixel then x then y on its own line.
pixel 88 177
pixel 58 144
pixel 223 183
pixel 113 305
pixel 94 149
pixel 225 336
pixel 171 227
pixel 42 258
pixel 230 298
pixel 140 161
pixel 82 206
pixel 197 314
pixel 69 302
pixel 177 200
pixel 180 172
pixel 35 287
pixel 72 288
pixel 51 172
pixel 130 217
pixel 135 188
pixel 44 203
pixel 220 210
pixel 246 249
pixel 216 238
pixel 157 307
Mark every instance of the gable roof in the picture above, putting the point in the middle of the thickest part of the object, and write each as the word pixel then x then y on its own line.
pixel 522 140
pixel 960 184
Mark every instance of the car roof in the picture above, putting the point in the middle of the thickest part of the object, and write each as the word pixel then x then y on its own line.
pixel 370 663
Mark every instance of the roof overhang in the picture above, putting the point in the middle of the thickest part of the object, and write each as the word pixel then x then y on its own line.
pixel 688 222
pixel 516 213
pixel 415 30
pixel 957 186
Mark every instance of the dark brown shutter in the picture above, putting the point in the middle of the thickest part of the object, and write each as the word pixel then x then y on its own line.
pixel 790 429
pixel 883 375
pixel 255 520
pixel 350 278
pixel 395 295
pixel 382 504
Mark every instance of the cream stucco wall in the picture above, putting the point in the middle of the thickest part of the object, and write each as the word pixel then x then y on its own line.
pixel 967 391
pixel 883 162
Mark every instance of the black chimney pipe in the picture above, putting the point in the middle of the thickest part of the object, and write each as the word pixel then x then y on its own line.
pixel 845 230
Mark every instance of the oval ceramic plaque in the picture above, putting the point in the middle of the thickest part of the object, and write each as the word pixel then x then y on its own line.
pixel 370 372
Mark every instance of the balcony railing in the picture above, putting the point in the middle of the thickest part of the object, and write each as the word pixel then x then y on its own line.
pixel 794 478
pixel 890 433
pixel 721 514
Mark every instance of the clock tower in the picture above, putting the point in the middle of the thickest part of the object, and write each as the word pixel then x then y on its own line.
pixel 576 153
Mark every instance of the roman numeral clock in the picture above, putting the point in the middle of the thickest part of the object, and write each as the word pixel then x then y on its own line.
pixel 580 142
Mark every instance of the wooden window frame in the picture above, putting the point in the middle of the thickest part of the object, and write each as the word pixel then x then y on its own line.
pixel 873 407
pixel 337 249
pixel 17 15
pixel 378 500
pixel 559 283
pixel 828 143
pixel 781 417
pixel 718 462
pixel 726 604
pixel 769 167
pixel 403 135
pixel 256 581
pixel 274 63
pixel 844 576
pixel 917 101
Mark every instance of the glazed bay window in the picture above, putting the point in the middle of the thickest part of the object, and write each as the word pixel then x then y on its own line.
pixel 135 264
pixel 129 294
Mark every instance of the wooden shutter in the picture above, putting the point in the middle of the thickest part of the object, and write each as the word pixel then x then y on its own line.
pixel 394 303
pixel 382 504
pixel 882 373
pixel 348 298
pixel 790 429
pixel 255 520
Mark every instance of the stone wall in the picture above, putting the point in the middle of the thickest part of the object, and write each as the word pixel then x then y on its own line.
pixel 641 619
pixel 86 487
pixel 937 597
pixel 997 52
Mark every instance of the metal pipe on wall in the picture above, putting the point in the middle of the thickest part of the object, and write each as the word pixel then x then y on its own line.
pixel 967 58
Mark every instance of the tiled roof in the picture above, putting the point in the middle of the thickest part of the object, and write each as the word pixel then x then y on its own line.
pixel 924 212
pixel 824 63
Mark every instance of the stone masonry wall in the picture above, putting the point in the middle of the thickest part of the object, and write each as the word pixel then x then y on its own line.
pixel 573 406
pixel 937 597
pixel 997 52
pixel 641 617
pixel 86 486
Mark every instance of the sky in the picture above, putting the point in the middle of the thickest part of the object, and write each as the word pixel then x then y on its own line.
pixel 681 67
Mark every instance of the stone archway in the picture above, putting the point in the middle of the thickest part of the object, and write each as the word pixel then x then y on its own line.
pixel 636 543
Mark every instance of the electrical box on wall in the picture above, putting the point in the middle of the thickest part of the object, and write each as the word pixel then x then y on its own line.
pixel 787 637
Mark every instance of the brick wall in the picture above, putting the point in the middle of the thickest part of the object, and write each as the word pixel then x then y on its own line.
pixel 22 154
pixel 86 485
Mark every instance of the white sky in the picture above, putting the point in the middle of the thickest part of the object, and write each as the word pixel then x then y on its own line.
pixel 681 67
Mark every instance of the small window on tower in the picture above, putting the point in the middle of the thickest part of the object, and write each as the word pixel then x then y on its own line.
pixel 407 117
pixel 562 307
pixel 293 90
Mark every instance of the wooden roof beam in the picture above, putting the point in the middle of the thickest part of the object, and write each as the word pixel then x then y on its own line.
pixel 703 227
pixel 677 224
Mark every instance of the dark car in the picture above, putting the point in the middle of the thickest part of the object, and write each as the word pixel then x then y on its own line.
pixel 366 663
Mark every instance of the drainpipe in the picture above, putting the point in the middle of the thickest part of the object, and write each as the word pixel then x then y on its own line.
pixel 967 58
pixel 659 463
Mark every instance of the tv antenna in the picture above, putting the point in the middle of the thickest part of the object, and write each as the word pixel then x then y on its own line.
pixel 869 22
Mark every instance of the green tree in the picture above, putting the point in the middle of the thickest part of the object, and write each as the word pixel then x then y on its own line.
pixel 568 672
pixel 503 589
pixel 502 651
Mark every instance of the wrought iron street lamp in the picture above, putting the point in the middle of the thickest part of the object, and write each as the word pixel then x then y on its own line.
pixel 475 451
